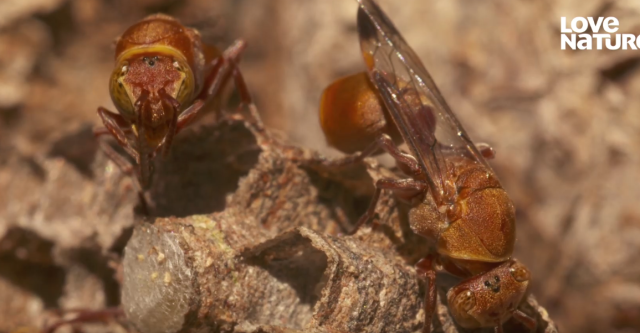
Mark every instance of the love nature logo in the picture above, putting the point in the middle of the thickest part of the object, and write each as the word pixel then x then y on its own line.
pixel 576 38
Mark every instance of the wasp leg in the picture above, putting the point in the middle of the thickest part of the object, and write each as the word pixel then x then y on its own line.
pixel 406 187
pixel 425 270
pixel 118 127
pixel 188 114
pixel 527 321
pixel 123 164
pixel 245 99
pixel 221 76
pixel 221 69
pixel 88 317
pixel 384 142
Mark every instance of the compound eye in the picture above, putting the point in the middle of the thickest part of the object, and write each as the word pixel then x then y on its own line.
pixel 118 90
pixel 464 301
pixel 186 89
pixel 519 272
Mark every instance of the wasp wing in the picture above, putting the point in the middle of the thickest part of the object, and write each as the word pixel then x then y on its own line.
pixel 414 102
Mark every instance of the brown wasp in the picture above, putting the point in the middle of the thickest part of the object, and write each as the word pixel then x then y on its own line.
pixel 163 75
pixel 457 202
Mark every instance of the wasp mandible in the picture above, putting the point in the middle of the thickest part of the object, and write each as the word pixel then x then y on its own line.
pixel 457 203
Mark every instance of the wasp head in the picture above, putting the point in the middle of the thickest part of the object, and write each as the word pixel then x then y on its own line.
pixel 150 88
pixel 489 299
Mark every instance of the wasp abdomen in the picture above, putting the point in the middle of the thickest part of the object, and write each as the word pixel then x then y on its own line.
pixel 352 114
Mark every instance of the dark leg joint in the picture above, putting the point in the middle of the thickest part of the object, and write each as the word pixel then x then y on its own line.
pixel 527 321
pixel 425 270
pixel 403 185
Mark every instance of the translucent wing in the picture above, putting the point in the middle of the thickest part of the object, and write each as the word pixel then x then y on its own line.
pixel 414 102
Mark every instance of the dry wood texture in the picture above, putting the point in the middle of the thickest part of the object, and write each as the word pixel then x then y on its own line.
pixel 272 258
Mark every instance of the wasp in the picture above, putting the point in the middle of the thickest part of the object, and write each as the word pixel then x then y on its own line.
pixel 163 76
pixel 456 201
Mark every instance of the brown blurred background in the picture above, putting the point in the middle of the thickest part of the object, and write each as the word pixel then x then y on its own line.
pixel 565 124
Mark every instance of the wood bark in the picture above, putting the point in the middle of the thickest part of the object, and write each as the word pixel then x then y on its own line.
pixel 273 260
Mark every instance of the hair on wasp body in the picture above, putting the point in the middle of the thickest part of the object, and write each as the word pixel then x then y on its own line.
pixel 162 77
pixel 457 203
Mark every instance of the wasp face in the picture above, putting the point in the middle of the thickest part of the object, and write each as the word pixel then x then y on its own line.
pixel 489 299
pixel 165 81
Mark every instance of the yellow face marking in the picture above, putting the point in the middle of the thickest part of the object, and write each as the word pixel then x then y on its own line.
pixel 124 93
pixel 126 87
pixel 184 88
pixel 120 94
